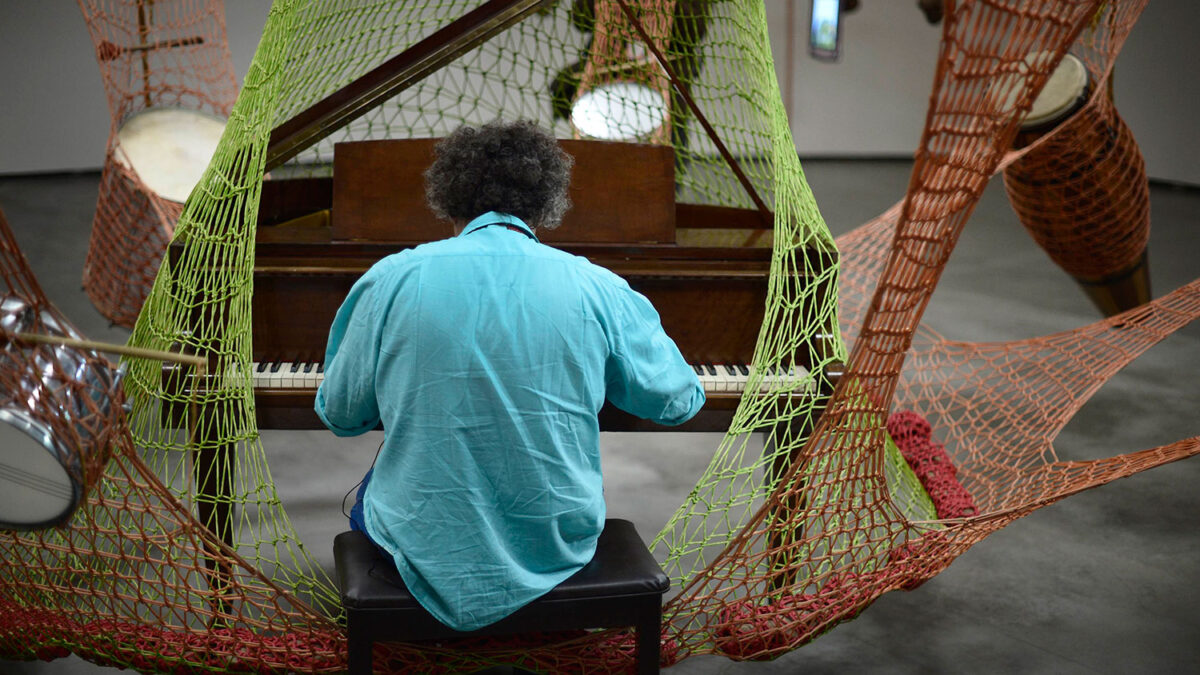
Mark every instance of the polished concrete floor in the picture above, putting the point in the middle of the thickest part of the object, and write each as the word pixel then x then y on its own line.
pixel 1104 582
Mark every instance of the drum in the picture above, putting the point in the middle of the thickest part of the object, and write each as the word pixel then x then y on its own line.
pixel 1080 189
pixel 169 148
pixel 36 488
pixel 619 111
pixel 55 421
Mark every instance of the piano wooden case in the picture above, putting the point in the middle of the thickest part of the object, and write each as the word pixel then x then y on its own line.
pixel 317 236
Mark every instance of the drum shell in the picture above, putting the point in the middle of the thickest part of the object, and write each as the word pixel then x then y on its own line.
pixel 130 232
pixel 61 396
pixel 1082 193
pixel 16 315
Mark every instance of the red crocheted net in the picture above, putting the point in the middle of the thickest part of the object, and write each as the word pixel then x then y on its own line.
pixel 932 465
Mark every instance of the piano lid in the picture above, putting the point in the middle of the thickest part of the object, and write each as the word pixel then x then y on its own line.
pixel 395 75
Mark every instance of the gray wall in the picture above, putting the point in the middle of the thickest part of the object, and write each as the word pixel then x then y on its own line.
pixel 53 114
pixel 871 103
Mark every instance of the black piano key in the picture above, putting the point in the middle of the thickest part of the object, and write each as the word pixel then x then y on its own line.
pixel 710 369
pixel 295 366
pixel 743 369
pixel 730 371
pixel 698 369
pixel 275 366
pixel 262 366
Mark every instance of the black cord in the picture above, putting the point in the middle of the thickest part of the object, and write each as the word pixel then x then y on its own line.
pixel 360 480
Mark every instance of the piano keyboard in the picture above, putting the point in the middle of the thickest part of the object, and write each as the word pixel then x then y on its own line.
pixel 287 375
pixel 715 378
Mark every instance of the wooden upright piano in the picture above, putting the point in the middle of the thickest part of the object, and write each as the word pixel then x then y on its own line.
pixel 710 297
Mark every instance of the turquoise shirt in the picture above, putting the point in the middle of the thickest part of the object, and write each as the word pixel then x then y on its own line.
pixel 486 357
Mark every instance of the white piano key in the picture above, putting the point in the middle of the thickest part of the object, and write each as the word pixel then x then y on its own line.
pixel 275 375
pixel 309 379
pixel 292 375
pixel 734 383
pixel 794 379
pixel 708 378
pixel 259 375
pixel 270 378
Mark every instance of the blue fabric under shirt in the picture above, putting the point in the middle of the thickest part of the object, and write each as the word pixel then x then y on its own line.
pixel 486 358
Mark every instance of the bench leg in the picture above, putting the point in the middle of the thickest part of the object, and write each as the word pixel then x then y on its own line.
pixel 649 640
pixel 359 657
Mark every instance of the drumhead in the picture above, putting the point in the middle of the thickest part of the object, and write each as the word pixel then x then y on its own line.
pixel 619 111
pixel 1062 93
pixel 169 148
pixel 36 490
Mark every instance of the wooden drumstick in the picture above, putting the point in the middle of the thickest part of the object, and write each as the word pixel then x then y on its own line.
pixel 198 362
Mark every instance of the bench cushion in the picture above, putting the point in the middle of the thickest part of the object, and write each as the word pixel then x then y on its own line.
pixel 621 566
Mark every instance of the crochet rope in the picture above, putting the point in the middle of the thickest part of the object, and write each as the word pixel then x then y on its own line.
pixel 154 57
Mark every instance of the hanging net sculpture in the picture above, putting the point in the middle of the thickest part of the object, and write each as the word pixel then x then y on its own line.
pixel 183 557
pixel 168 76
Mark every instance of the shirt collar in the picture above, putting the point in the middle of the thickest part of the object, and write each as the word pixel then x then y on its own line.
pixel 495 218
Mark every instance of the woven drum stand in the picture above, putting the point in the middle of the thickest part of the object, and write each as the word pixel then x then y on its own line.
pixel 1081 189
pixel 169 80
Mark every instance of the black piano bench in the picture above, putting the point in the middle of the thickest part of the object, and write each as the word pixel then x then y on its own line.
pixel 622 586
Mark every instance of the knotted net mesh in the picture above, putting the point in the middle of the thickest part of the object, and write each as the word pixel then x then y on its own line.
pixel 184 558
pixel 169 81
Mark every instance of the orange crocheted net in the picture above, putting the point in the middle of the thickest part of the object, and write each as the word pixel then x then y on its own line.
pixel 125 582
pixel 997 406
pixel 152 56
pixel 1083 195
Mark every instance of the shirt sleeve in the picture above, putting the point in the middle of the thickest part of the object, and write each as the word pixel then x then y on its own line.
pixel 346 401
pixel 646 375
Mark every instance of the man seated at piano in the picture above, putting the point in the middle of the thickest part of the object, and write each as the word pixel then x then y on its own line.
pixel 486 357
